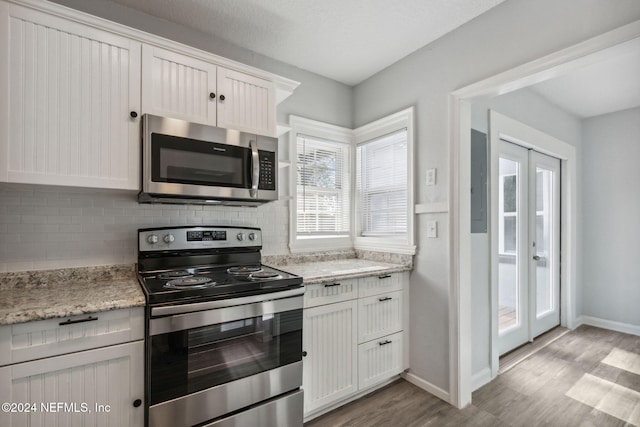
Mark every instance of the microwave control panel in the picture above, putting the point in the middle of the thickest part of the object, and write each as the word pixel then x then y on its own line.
pixel 268 170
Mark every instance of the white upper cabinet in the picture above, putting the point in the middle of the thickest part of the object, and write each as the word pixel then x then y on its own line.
pixel 184 87
pixel 246 103
pixel 178 86
pixel 72 90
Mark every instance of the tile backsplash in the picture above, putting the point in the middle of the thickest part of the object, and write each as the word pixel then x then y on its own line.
pixel 44 227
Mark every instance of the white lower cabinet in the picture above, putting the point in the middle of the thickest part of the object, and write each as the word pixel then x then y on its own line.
pixel 330 342
pixel 352 343
pixel 380 359
pixel 84 370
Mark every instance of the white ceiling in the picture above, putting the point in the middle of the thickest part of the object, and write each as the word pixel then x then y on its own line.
pixel 345 40
pixel 606 86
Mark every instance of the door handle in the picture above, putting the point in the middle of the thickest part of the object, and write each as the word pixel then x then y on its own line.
pixel 255 164
pixel 536 258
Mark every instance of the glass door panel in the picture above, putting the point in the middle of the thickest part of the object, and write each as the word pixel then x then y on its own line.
pixel 512 217
pixel 508 241
pixel 545 238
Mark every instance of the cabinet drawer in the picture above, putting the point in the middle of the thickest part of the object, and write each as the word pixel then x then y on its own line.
pixel 330 292
pixel 45 338
pixel 374 285
pixel 379 315
pixel 379 360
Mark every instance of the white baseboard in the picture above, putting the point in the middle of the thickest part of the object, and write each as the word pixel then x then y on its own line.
pixel 626 328
pixel 427 386
pixel 481 378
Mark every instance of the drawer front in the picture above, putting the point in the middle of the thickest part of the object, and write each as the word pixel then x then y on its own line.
pixel 330 292
pixel 379 360
pixel 380 284
pixel 45 338
pixel 379 315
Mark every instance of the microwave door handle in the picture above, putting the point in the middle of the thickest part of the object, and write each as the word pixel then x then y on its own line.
pixel 256 168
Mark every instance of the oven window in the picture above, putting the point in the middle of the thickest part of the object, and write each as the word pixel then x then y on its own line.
pixel 187 361
pixel 188 161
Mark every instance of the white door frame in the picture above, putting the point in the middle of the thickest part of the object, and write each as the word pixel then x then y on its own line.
pixel 504 128
pixel 572 58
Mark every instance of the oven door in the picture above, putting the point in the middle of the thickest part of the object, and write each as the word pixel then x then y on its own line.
pixel 205 364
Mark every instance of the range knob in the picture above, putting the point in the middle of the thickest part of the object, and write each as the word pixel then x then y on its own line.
pixel 240 236
pixel 152 238
pixel 252 236
pixel 168 238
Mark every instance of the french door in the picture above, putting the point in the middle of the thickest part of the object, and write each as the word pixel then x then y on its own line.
pixel 528 247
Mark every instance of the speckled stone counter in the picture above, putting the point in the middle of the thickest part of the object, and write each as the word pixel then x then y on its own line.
pixel 38 295
pixel 340 269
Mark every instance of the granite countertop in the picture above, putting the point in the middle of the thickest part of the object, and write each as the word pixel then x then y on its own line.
pixel 341 269
pixel 39 295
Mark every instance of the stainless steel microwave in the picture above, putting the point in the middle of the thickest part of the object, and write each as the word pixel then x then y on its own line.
pixel 185 162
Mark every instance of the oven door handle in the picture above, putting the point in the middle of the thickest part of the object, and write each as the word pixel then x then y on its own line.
pixel 255 165
pixel 180 322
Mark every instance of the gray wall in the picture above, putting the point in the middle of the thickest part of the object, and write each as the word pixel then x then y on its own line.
pixel 611 207
pixel 513 33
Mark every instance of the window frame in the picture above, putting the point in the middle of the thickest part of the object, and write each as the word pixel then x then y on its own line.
pixel 331 133
pixel 371 131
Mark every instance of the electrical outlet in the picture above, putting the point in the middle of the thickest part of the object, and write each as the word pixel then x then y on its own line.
pixel 432 229
pixel 431 176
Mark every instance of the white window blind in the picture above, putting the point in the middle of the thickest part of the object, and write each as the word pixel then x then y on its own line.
pixel 322 187
pixel 382 185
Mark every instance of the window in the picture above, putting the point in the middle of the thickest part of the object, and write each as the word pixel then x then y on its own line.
pixel 322 187
pixel 322 215
pixel 321 212
pixel 384 184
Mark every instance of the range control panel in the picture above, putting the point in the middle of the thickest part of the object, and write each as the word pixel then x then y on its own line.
pixel 204 237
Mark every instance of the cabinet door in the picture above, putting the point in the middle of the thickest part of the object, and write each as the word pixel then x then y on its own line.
pixel 246 103
pixel 379 315
pixel 71 89
pixel 379 360
pixel 329 367
pixel 178 86
pixel 89 388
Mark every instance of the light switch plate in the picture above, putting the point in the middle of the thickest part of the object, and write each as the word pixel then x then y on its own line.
pixel 432 229
pixel 431 176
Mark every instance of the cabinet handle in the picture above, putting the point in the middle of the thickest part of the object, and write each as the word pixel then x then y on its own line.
pixel 329 285
pixel 133 114
pixel 385 299
pixel 72 322
pixel 137 403
pixel 222 98
pixel 212 95
pixel 381 343
pixel 386 276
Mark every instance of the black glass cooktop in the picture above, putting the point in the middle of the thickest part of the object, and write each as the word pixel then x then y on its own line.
pixel 188 285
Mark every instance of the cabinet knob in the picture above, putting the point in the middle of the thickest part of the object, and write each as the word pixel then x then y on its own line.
pixel 137 403
pixel 212 95
pixel 222 98
pixel 133 114
pixel 304 354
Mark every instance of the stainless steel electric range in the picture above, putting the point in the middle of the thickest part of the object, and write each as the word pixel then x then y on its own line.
pixel 224 332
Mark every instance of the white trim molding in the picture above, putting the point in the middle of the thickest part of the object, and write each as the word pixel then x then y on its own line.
pixel 626 328
pixel 427 386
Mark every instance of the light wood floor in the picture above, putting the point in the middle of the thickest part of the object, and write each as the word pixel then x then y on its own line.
pixel 589 377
